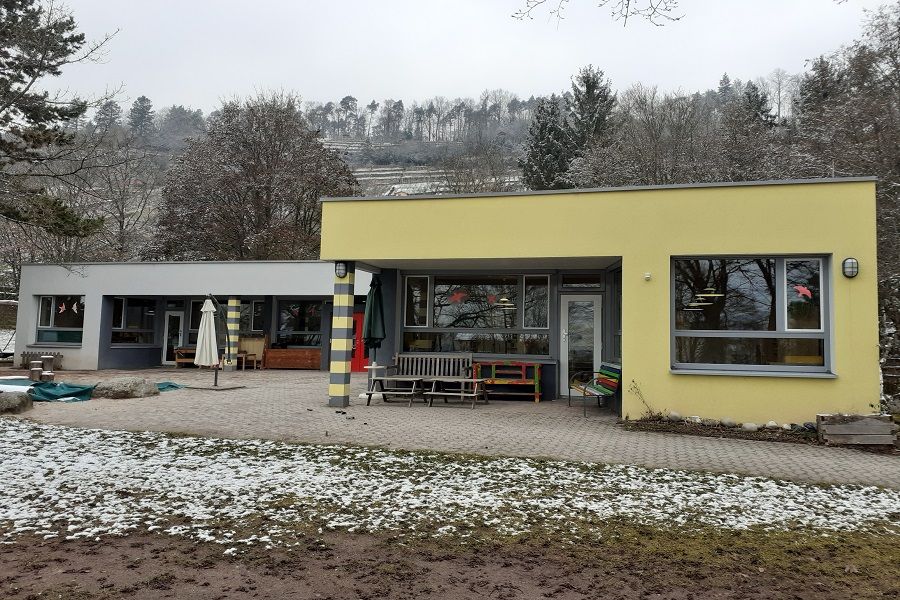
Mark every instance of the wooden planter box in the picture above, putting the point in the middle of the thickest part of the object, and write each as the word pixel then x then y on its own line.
pixel 293 358
pixel 856 429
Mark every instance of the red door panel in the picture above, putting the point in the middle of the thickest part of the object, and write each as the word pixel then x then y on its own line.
pixel 358 359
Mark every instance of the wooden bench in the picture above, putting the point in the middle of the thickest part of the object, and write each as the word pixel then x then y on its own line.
pixel 602 384
pixel 184 356
pixel 411 369
pixel 508 373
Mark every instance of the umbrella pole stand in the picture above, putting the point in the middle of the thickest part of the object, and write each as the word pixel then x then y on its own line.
pixel 216 377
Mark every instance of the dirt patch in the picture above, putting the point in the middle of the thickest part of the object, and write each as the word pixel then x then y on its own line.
pixel 630 563
pixel 766 435
pixel 718 431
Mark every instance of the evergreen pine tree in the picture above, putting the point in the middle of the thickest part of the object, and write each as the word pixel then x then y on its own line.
pixel 757 104
pixel 140 117
pixel 820 87
pixel 725 90
pixel 108 115
pixel 547 149
pixel 590 107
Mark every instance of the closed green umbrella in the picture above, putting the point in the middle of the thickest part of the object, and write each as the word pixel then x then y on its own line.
pixel 373 323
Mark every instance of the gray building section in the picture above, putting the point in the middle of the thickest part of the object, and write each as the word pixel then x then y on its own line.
pixel 275 285
pixel 161 286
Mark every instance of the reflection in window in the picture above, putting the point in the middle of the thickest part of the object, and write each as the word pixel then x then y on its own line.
pixel 488 343
pixel 299 323
pixel 750 351
pixel 134 321
pixel 537 301
pixel 196 305
pixel 251 316
pixel 802 293
pixel 726 294
pixel 416 302
pixel 489 302
pixel 715 295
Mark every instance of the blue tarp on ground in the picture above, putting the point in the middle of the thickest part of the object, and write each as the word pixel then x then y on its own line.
pixel 168 386
pixel 52 391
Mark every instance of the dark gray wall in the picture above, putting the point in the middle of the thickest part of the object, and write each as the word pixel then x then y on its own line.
pixel 390 294
pixel 128 356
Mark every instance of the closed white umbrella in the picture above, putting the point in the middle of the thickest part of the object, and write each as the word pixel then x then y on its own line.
pixel 207 354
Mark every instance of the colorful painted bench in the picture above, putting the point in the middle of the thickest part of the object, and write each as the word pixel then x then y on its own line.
pixel 602 384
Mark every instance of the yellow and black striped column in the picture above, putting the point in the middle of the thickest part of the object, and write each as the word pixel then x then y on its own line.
pixel 233 323
pixel 341 339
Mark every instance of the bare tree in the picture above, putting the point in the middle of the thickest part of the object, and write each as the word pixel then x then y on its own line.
pixel 657 12
pixel 250 188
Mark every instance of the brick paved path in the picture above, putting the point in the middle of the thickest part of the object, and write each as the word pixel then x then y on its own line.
pixel 291 405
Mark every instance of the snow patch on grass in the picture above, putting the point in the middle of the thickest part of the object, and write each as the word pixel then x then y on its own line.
pixel 86 483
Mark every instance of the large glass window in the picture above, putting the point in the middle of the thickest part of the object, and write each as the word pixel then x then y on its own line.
pixel 749 313
pixel 299 323
pixel 134 321
pixel 60 319
pixel 490 314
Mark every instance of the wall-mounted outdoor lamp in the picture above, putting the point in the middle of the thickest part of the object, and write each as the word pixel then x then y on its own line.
pixel 340 269
pixel 850 267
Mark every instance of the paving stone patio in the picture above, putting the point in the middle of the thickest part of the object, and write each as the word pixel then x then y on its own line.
pixel 292 406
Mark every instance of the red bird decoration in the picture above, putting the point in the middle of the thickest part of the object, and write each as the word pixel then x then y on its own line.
pixel 460 296
pixel 491 298
pixel 802 290
pixel 62 308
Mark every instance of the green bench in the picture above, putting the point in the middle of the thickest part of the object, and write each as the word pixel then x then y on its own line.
pixel 602 384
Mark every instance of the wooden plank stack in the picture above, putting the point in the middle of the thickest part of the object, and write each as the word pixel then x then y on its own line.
pixel 857 429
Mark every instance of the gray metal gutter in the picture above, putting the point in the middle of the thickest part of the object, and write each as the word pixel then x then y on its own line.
pixel 630 188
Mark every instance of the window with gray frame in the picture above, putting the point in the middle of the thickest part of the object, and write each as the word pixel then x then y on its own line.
pixel 299 324
pixel 252 312
pixel 134 321
pixel 755 313
pixel 488 314
pixel 60 319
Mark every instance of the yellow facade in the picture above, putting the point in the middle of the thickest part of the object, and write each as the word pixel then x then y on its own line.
pixel 646 227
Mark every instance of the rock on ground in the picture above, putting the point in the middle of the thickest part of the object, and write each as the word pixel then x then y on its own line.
pixel 125 387
pixel 14 402
pixel 750 427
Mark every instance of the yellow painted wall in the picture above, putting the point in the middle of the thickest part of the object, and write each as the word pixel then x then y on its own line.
pixel 646 228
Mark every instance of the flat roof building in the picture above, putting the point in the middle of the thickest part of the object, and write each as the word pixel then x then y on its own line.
pixel 751 300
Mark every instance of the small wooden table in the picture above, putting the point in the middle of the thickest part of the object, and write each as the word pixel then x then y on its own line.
pixel 417 385
pixel 184 356
pixel 465 387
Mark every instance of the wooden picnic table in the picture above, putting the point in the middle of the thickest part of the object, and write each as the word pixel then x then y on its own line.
pixel 416 387
pixel 456 387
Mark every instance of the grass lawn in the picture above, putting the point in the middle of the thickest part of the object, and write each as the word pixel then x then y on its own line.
pixel 100 514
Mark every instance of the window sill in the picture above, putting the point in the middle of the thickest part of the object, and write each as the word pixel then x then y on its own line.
pixel 54 345
pixel 726 372
pixel 132 345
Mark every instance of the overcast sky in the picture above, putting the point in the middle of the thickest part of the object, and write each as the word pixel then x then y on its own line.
pixel 197 52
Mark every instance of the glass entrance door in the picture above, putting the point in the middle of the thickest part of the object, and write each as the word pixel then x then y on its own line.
pixel 579 339
pixel 174 336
